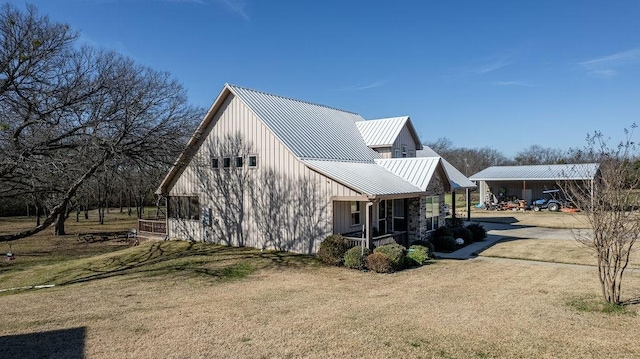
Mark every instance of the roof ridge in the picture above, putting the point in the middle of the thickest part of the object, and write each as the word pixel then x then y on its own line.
pixel 386 118
pixel 291 99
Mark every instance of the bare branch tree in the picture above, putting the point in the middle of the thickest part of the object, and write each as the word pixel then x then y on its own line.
pixel 609 204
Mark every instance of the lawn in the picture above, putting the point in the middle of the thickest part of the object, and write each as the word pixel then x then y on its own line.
pixel 182 300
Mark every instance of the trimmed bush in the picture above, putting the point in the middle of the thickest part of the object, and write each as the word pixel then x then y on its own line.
pixel 379 263
pixel 453 222
pixel 417 255
pixel 479 233
pixel 442 232
pixel 444 243
pixel 395 252
pixel 427 244
pixel 465 234
pixel 354 258
pixel 332 249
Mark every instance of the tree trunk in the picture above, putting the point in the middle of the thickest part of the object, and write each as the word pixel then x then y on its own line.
pixel 59 224
pixel 38 214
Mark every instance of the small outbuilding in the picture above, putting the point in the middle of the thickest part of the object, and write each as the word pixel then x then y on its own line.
pixel 500 183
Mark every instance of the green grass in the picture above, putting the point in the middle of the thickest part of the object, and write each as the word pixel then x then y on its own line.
pixel 592 304
pixel 178 259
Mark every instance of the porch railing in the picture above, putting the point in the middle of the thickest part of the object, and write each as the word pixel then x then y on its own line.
pixel 152 226
pixel 394 237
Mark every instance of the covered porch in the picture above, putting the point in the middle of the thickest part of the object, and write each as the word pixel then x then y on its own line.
pixel 372 223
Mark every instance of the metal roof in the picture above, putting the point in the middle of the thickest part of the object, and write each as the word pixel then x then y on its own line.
pixel 579 171
pixel 456 178
pixel 367 178
pixel 309 130
pixel 381 132
pixel 418 171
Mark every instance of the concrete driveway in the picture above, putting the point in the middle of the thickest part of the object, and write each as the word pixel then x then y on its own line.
pixel 497 232
pixel 516 231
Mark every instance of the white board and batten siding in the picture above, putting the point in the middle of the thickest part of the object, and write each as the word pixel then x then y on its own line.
pixel 233 117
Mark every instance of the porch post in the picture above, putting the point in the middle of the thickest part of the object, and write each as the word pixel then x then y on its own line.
pixel 453 203
pixel 367 230
pixel 468 205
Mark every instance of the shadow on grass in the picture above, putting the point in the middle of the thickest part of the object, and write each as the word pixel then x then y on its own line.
pixel 64 343
pixel 184 259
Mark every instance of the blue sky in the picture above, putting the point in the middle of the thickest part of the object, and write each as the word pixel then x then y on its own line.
pixel 503 74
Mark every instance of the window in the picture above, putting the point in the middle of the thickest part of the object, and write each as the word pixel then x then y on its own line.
pixel 399 222
pixel 396 153
pixel 382 217
pixel 184 207
pixel 238 162
pixel 253 161
pixel 412 153
pixel 226 162
pixel 432 212
pixel 355 213
pixel 215 163
pixel 404 150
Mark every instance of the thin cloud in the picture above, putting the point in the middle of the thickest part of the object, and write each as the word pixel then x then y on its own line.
pixel 360 87
pixel 492 66
pixel 236 7
pixel 608 66
pixel 513 83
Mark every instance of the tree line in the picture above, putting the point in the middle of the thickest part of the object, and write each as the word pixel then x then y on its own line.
pixel 81 126
pixel 473 160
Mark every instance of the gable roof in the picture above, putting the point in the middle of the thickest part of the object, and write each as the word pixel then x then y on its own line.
pixel 456 178
pixel 309 130
pixel 383 132
pixel 417 171
pixel 367 178
pixel 579 171
pixel 325 139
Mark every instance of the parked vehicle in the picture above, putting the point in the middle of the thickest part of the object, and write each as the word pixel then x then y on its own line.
pixel 553 201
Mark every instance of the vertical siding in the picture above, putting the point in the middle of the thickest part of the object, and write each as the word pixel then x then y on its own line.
pixel 342 217
pixel 405 138
pixel 234 117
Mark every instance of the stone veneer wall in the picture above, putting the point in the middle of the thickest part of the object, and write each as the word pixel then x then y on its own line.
pixel 417 211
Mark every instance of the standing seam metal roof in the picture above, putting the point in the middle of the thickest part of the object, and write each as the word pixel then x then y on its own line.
pixel 579 171
pixel 309 130
pixel 418 171
pixel 381 132
pixel 456 178
pixel 367 178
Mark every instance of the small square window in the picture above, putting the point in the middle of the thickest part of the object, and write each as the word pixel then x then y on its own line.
pixel 215 163
pixel 253 161
pixel 226 162
pixel 404 150
pixel 238 162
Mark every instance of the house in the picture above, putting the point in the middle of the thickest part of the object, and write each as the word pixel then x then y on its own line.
pixel 498 183
pixel 267 171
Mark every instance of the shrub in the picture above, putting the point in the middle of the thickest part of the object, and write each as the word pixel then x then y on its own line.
pixel 453 222
pixel 332 249
pixel 379 263
pixel 417 255
pixel 465 234
pixel 442 232
pixel 395 252
pixel 427 244
pixel 354 257
pixel 444 243
pixel 479 233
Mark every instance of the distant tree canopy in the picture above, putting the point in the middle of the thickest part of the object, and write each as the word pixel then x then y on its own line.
pixel 473 160
pixel 73 114
pixel 468 160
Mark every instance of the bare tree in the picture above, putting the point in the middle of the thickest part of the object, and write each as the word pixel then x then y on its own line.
pixel 467 160
pixel 71 113
pixel 609 204
pixel 538 155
